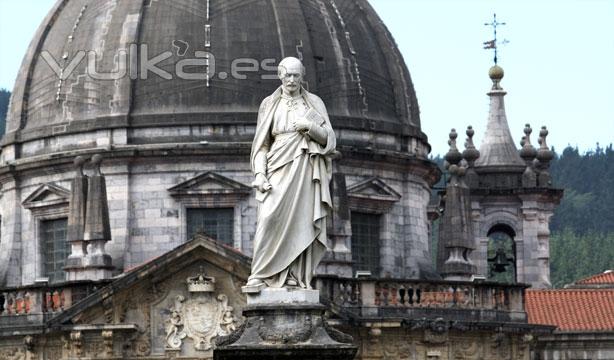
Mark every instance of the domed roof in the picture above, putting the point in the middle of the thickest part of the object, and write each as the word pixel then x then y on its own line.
pixel 351 62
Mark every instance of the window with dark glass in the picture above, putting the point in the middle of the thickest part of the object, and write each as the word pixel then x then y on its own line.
pixel 55 248
pixel 216 223
pixel 366 242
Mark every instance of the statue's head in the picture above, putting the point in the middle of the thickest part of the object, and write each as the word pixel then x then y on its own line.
pixel 290 72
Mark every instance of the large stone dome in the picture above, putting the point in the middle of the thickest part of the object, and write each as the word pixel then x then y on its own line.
pixel 351 62
pixel 176 142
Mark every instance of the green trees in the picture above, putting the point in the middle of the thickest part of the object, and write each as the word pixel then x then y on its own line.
pixel 582 240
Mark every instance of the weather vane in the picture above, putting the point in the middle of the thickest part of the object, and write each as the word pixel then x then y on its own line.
pixel 492 44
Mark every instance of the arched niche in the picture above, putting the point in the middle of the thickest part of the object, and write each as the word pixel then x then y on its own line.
pixel 501 253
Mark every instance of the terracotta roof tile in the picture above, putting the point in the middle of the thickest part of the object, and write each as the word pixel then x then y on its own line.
pixel 603 278
pixel 572 309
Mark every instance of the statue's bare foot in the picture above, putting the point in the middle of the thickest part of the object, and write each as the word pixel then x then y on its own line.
pixel 291 282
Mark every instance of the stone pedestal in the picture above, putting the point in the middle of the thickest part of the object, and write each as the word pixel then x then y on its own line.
pixel 285 324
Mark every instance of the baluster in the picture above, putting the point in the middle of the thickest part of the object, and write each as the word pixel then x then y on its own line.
pixel 385 295
pixel 394 293
pixel 55 299
pixel 3 303
pixel 356 293
pixel 47 306
pixel 63 303
pixel 418 292
pixel 402 292
pixel 9 304
pixel 19 304
pixel 378 293
pixel 26 302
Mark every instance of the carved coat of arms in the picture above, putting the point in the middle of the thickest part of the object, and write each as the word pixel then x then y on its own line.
pixel 202 318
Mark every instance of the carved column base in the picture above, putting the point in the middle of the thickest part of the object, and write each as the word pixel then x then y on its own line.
pixel 285 331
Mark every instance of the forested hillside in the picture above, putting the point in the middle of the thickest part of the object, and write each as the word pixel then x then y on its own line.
pixel 582 228
pixel 4 104
pixel 582 240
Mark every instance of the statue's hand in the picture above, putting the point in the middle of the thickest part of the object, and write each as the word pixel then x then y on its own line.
pixel 261 183
pixel 301 124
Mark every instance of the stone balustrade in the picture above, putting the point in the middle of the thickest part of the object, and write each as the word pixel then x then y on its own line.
pixel 33 304
pixel 397 298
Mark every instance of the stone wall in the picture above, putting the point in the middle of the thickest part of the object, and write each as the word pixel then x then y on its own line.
pixel 147 220
pixel 384 343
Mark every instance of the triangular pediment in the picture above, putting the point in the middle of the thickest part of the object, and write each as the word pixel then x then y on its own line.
pixel 156 283
pixel 210 183
pixel 375 189
pixel 47 195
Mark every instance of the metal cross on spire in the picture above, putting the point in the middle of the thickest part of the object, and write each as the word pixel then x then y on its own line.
pixel 492 44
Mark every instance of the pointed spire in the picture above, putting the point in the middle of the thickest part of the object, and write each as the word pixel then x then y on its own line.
pixel 498 149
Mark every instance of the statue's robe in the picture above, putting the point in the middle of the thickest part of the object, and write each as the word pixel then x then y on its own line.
pixel 290 237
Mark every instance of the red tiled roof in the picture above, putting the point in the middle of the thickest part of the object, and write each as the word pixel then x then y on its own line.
pixel 572 309
pixel 603 278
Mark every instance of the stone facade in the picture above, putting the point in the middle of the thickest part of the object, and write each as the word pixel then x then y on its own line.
pixel 170 145
pixel 575 345
pixel 440 344
pixel 179 304
pixel 528 216
pixel 147 219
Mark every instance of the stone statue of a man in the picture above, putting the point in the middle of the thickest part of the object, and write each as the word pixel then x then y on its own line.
pixel 291 160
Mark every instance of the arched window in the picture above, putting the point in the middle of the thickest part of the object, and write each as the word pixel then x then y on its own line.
pixel 501 254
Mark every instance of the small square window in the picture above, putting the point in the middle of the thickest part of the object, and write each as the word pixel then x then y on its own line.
pixel 215 222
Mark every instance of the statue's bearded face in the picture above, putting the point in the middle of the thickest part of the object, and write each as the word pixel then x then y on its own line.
pixel 291 80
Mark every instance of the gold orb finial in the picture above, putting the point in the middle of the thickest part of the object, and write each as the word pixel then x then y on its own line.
pixel 496 72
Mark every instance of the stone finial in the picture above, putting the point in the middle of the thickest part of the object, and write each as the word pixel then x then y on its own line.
pixel 544 156
pixel 496 74
pixel 528 154
pixel 453 157
pixel 471 154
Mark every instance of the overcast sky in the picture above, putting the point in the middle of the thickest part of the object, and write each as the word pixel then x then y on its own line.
pixel 559 62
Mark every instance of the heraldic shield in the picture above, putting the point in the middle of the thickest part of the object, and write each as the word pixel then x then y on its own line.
pixel 201 318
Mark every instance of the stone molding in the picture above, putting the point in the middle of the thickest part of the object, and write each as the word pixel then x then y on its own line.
pixel 45 196
pixel 210 188
pixel 372 195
